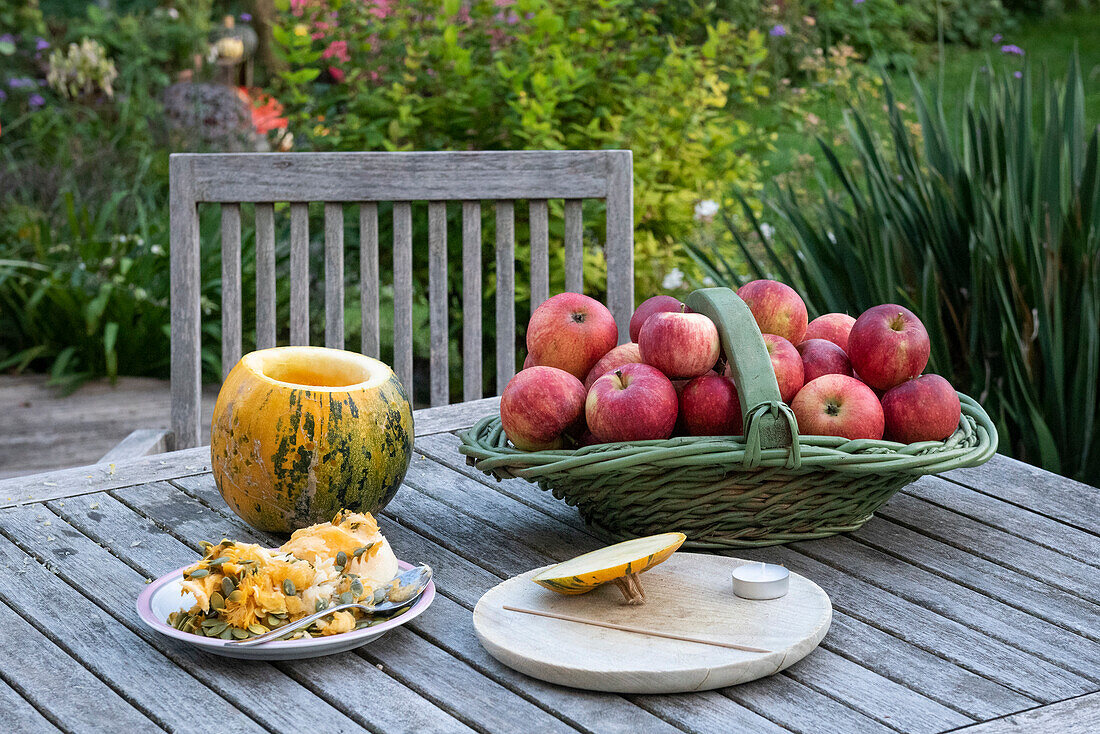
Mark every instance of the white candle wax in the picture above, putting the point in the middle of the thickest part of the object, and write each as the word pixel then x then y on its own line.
pixel 760 581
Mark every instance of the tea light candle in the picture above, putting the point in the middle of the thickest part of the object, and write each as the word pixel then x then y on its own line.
pixel 760 581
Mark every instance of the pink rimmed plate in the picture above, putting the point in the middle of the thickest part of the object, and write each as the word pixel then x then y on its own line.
pixel 163 596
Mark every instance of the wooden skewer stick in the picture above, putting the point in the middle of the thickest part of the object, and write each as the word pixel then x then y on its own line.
pixel 636 630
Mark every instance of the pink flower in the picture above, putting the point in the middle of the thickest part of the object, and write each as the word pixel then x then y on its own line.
pixel 339 49
pixel 337 74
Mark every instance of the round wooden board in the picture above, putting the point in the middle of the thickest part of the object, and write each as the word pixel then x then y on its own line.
pixel 689 594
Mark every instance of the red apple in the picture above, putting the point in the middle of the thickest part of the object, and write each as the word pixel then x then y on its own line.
pixel 617 357
pixel 633 403
pixel 650 306
pixel 787 364
pixel 528 362
pixel 776 307
pixel 838 405
pixel 679 344
pixel 925 408
pixel 823 357
pixel 888 345
pixel 832 327
pixel 709 407
pixel 571 331
pixel 539 405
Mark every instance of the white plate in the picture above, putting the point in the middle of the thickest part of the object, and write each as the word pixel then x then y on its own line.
pixel 162 597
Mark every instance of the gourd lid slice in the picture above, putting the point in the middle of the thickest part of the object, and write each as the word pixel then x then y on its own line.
pixel 620 563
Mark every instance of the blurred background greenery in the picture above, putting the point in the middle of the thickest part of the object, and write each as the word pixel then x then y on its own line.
pixel 855 148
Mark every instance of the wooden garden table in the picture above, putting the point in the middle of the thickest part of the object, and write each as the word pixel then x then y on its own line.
pixel 971 601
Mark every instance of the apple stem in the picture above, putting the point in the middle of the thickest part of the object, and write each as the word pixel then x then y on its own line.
pixel 631 588
pixel 683 308
pixel 619 374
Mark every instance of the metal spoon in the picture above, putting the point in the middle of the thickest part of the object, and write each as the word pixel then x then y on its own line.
pixel 403 591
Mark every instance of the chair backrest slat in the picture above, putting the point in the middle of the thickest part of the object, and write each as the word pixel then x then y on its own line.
pixel 265 276
pixel 471 300
pixel 231 286
pixel 506 293
pixel 402 294
pixel 334 275
pixel 369 181
pixel 299 274
pixel 369 278
pixel 538 214
pixel 574 246
pixel 437 303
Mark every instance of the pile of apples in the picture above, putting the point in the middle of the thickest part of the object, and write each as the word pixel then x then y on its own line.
pixel 842 376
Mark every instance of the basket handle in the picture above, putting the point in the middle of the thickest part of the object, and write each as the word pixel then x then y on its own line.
pixel 769 422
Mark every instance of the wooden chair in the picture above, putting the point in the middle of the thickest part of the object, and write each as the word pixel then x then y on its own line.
pixel 364 179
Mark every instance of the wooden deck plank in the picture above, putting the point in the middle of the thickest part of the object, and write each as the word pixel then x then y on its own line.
pixel 1013 588
pixel 1034 489
pixel 20 715
pixel 961 645
pixel 1080 715
pixel 142 551
pixel 42 669
pixel 144 676
pixel 1053 534
pixel 167 503
pixel 1011 551
pixel 954 601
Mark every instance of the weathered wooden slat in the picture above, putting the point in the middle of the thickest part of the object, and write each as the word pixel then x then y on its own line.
pixel 185 275
pixel 1033 489
pixel 995 545
pixel 574 246
pixel 99 477
pixel 953 601
pixel 471 301
pixel 1057 536
pixel 438 303
pixel 142 442
pixel 539 213
pixel 299 274
pixel 800 708
pixel 142 545
pixel 1080 715
pixel 413 671
pixel 21 716
pixel 506 293
pixel 1039 599
pixel 103 645
pixel 961 645
pixel 369 278
pixel 43 670
pixel 231 286
pixel 619 246
pixel 402 295
pixel 334 275
pixel 428 421
pixel 401 176
pixel 265 275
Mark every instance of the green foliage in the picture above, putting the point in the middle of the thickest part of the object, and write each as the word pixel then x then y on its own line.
pixel 989 230
pixel 536 74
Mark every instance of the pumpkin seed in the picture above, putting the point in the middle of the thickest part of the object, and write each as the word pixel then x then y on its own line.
pixel 346 598
pixel 357 588
pixel 239 633
pixel 228 587
pixel 288 587
pixel 360 551
pixel 198 573
pixel 226 634
pixel 236 596
pixel 273 621
pixel 379 596
pixel 321 604
pixel 341 560
pixel 218 561
pixel 217 601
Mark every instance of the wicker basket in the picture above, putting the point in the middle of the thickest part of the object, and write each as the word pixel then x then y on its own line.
pixel 771 486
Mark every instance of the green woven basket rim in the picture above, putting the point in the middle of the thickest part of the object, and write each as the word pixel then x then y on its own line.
pixel 974 442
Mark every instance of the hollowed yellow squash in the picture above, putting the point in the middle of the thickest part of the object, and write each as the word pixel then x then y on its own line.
pixel 620 563
pixel 300 433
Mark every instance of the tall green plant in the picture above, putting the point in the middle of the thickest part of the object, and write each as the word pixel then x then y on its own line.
pixel 988 226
